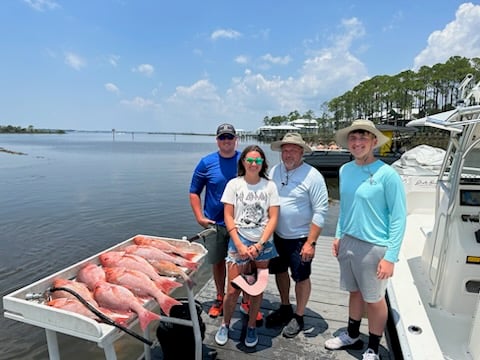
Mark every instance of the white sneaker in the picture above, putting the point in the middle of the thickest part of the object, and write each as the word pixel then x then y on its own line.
pixel 342 341
pixel 221 337
pixel 370 355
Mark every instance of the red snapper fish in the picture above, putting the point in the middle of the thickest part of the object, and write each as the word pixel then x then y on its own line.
pixel 80 288
pixel 116 297
pixel 141 285
pixel 129 261
pixel 170 269
pixel 153 253
pixel 164 246
pixel 74 305
pixel 90 274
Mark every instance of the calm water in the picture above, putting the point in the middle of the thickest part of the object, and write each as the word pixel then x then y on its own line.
pixel 72 196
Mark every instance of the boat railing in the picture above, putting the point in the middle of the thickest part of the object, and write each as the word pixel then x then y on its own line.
pixel 452 172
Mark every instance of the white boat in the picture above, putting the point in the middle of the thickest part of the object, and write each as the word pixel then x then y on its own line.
pixel 329 161
pixel 434 293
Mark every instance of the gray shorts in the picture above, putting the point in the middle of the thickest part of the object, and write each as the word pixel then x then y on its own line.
pixel 358 261
pixel 217 245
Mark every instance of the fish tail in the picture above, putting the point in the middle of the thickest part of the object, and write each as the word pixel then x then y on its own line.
pixel 191 265
pixel 146 317
pixel 167 286
pixel 166 304
pixel 188 255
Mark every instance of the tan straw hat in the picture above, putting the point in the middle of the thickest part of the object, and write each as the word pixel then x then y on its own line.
pixel 361 124
pixel 291 138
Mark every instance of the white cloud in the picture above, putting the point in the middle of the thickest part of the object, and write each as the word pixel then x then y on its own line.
pixel 197 107
pixel 242 59
pixel 113 60
pixel 75 61
pixel 201 90
pixel 327 72
pixel 352 29
pixel 41 5
pixel 277 59
pixel 460 37
pixel 225 34
pixel 139 103
pixel 145 69
pixel 112 88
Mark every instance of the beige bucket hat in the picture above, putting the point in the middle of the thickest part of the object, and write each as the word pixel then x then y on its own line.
pixel 291 138
pixel 361 124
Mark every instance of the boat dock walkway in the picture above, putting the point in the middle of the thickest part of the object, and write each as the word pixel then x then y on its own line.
pixel 326 315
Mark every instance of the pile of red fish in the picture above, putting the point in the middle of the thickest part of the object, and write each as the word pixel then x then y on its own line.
pixel 126 279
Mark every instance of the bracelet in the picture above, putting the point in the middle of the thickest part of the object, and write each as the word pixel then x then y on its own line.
pixel 229 231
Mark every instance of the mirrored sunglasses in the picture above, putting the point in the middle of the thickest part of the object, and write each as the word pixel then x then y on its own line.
pixel 226 137
pixel 258 161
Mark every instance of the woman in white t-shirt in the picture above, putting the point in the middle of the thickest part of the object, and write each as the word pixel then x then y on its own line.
pixel 251 204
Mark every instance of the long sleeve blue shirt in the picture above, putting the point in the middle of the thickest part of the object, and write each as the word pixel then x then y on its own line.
pixel 372 205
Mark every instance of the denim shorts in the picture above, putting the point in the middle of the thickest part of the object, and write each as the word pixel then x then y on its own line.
pixel 268 252
pixel 289 257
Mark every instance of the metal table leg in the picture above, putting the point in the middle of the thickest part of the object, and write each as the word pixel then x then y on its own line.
pixel 110 353
pixel 52 345
pixel 146 348
pixel 195 324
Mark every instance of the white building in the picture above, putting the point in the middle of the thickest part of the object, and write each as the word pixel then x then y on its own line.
pixel 305 125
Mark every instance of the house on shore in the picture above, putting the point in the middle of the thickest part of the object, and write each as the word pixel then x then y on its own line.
pixel 270 133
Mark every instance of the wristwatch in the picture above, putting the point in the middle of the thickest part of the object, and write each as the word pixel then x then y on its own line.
pixel 313 243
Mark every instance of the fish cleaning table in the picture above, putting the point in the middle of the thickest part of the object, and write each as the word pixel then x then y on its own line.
pixel 20 306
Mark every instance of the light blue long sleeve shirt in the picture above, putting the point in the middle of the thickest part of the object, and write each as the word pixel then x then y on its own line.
pixel 303 200
pixel 372 205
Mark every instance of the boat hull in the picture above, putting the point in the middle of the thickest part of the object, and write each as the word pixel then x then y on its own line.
pixel 328 162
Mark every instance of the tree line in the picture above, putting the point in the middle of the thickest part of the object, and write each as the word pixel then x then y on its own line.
pixel 10 129
pixel 393 99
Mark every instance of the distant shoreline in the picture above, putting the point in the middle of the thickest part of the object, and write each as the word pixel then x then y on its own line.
pixel 11 152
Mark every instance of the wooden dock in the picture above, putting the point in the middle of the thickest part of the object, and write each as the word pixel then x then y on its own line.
pixel 326 315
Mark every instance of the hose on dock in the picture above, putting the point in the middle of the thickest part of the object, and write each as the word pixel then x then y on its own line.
pixel 105 318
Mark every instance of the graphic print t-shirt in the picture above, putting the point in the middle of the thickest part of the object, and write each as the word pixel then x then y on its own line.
pixel 251 204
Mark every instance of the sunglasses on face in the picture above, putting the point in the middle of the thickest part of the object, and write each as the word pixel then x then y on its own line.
pixel 258 161
pixel 226 137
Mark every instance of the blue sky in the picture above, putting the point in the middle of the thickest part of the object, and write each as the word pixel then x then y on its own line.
pixel 152 65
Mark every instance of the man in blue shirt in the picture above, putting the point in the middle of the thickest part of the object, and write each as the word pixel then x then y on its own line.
pixel 212 174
